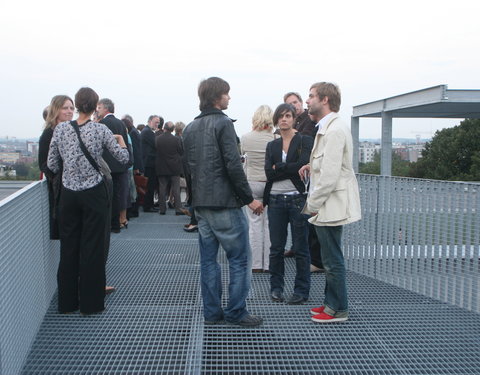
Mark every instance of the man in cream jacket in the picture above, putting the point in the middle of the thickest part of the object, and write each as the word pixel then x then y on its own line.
pixel 333 199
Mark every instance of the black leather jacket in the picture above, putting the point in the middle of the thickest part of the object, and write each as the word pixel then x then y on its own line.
pixel 210 146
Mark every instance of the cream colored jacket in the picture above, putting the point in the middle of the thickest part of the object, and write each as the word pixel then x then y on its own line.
pixel 333 194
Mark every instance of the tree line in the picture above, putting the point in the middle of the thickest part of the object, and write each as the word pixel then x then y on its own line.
pixel 453 154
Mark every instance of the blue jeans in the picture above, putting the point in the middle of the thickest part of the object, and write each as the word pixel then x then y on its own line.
pixel 336 298
pixel 228 228
pixel 283 209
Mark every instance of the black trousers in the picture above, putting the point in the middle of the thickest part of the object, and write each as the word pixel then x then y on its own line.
pixel 81 272
pixel 152 185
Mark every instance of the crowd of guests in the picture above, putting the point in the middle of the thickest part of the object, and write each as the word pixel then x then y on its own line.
pixel 293 170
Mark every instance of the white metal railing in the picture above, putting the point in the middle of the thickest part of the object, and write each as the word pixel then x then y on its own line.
pixel 28 263
pixel 421 235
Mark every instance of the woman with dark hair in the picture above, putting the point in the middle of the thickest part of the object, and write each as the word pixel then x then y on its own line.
pixel 60 109
pixel 285 195
pixel 84 205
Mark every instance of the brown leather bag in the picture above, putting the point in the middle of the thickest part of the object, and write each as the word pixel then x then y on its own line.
pixel 141 184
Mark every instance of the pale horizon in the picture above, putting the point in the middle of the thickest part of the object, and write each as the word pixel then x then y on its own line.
pixel 149 58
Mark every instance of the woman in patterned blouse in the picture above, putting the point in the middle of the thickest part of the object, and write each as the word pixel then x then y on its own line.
pixel 84 207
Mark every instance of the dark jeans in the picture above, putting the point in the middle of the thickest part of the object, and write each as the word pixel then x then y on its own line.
pixel 283 209
pixel 336 298
pixel 314 244
pixel 81 271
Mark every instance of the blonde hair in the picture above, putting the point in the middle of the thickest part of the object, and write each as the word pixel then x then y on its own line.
pixel 262 118
pixel 54 110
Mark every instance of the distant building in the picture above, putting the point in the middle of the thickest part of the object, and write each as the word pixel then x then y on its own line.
pixel 32 148
pixel 367 151
pixel 9 157
pixel 409 153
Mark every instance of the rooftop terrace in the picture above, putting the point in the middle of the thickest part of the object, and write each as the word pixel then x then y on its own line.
pixel 153 324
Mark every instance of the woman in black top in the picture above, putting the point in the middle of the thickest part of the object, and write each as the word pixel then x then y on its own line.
pixel 60 110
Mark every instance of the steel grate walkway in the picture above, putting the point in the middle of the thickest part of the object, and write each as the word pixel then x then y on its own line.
pixel 153 324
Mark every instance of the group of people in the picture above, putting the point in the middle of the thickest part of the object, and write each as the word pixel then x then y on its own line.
pixel 303 178
pixel 294 168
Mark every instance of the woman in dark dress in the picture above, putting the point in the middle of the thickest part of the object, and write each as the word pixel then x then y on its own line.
pixel 60 109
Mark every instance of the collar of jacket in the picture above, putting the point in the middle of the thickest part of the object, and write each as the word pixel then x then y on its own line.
pixel 324 128
pixel 210 111
pixel 213 111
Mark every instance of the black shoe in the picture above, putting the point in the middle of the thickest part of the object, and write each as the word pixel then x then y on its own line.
pixel 191 228
pixel 277 296
pixel 152 209
pixel 162 213
pixel 296 299
pixel 248 321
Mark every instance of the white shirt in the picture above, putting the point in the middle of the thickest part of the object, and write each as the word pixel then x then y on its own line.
pixel 324 120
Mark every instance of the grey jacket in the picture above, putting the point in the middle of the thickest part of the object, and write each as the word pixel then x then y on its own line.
pixel 210 146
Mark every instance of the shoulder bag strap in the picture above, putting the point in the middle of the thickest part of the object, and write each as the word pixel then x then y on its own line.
pixel 84 148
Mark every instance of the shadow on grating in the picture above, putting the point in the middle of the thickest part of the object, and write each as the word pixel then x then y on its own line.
pixel 153 323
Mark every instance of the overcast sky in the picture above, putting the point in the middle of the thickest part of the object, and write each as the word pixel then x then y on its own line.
pixel 149 56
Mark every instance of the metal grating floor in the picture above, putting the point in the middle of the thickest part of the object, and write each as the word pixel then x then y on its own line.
pixel 153 324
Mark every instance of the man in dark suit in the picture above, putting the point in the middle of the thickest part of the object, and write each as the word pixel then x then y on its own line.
pixel 149 154
pixel 168 166
pixel 105 111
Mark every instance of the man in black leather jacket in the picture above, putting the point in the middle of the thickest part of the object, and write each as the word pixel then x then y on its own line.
pixel 220 189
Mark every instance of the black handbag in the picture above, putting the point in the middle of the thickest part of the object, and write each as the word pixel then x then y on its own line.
pixel 103 168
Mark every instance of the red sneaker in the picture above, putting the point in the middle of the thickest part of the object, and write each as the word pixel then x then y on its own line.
pixel 325 318
pixel 317 310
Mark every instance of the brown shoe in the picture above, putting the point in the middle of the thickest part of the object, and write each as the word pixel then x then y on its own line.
pixel 257 270
pixel 289 254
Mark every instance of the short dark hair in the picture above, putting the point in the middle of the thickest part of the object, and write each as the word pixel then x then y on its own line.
pixel 108 104
pixel 86 100
pixel 294 94
pixel 281 109
pixel 210 90
pixel 169 126
pixel 128 123
pixel 151 117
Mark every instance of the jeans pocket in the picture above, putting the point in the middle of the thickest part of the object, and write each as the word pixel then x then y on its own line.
pixel 299 202
pixel 222 219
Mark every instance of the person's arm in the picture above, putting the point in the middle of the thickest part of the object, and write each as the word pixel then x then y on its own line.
pixel 330 169
pixel 227 142
pixel 43 147
pixel 115 144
